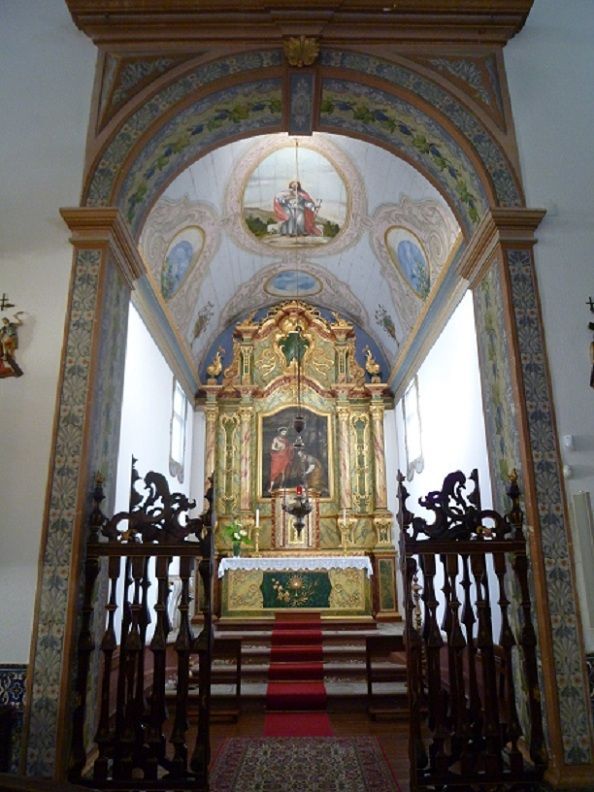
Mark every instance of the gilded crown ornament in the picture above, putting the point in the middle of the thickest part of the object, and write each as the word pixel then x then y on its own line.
pixel 301 50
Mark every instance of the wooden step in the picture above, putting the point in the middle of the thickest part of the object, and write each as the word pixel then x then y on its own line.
pixel 343 662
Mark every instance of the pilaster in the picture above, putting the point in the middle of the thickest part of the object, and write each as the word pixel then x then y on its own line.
pixel 522 433
pixel 86 434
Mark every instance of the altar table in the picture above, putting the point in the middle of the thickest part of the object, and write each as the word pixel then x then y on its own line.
pixel 335 585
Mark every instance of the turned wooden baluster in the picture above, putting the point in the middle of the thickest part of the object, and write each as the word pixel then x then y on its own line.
pixel 519 563
pixel 158 708
pixel 538 752
pixel 456 648
pixel 204 644
pixel 436 695
pixel 484 642
pixel 507 642
pixel 468 619
pixel 86 645
pixel 141 707
pixel 120 721
pixel 446 624
pixel 183 647
pixel 133 647
pixel 103 736
pixel 414 670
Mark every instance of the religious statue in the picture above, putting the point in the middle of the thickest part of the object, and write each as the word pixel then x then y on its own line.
pixel 9 341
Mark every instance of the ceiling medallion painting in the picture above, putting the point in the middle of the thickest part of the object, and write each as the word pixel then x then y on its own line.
pixel 293 283
pixel 180 259
pixel 409 257
pixel 412 270
pixel 178 244
pixel 295 197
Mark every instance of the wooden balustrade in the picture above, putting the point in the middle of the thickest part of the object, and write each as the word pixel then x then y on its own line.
pixel 466 579
pixel 137 743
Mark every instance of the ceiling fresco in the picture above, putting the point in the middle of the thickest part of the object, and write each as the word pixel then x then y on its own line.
pixel 333 220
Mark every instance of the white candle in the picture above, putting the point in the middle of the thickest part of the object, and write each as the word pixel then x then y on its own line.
pixel 344 514
pixel 257 518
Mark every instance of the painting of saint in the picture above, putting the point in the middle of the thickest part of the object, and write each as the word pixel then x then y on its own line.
pixel 282 465
pixel 295 196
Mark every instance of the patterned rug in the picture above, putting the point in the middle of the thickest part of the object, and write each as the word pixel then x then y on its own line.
pixel 302 764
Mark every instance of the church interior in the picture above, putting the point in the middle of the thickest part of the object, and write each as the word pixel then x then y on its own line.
pixel 297 370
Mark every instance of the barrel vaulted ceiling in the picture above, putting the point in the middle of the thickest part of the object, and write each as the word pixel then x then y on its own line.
pixel 391 232
pixel 398 142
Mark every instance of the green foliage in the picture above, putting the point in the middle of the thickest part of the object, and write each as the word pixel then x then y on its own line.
pixel 331 229
pixel 257 226
pixel 236 533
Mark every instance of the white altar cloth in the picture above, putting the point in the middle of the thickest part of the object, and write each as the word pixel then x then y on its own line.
pixel 301 563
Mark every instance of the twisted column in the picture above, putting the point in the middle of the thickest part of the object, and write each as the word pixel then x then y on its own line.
pixel 379 453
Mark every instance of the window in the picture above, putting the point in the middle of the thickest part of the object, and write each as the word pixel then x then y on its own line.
pixel 412 430
pixel 177 434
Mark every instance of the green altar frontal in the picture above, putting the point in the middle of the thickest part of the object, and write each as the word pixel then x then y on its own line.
pixel 254 586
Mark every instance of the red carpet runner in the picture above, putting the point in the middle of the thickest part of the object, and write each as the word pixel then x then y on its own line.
pixel 296 696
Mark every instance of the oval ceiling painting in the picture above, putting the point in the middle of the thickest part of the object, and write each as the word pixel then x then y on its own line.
pixel 180 259
pixel 295 197
pixel 292 283
pixel 407 253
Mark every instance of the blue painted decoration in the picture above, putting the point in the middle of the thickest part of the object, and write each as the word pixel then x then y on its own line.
pixel 180 259
pixel 409 257
pixel 293 283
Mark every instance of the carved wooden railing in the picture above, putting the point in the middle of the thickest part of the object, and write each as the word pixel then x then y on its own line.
pixel 136 742
pixel 465 574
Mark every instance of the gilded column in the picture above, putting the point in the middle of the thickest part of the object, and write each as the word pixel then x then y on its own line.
pixel 246 413
pixel 211 411
pixel 344 458
pixel 379 452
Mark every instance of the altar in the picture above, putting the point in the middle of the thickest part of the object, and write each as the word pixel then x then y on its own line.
pixel 333 584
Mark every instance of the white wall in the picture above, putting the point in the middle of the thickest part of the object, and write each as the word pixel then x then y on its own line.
pixel 450 403
pixel 145 432
pixel 146 414
pixel 550 67
pixel 452 422
pixel 46 69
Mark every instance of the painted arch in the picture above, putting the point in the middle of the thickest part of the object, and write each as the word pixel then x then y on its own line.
pixel 389 104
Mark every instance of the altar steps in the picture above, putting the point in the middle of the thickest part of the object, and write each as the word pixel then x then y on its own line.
pixel 343 663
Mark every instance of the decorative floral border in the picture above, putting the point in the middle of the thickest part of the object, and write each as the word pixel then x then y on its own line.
pixel 372 112
pixel 574 706
pixel 493 158
pixel 162 156
pixel 501 420
pixel 74 423
pixel 12 693
pixel 114 155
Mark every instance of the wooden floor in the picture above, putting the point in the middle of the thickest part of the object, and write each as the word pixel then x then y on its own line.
pixel 393 735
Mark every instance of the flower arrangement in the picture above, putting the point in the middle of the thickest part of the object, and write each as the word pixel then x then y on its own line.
pixel 237 534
